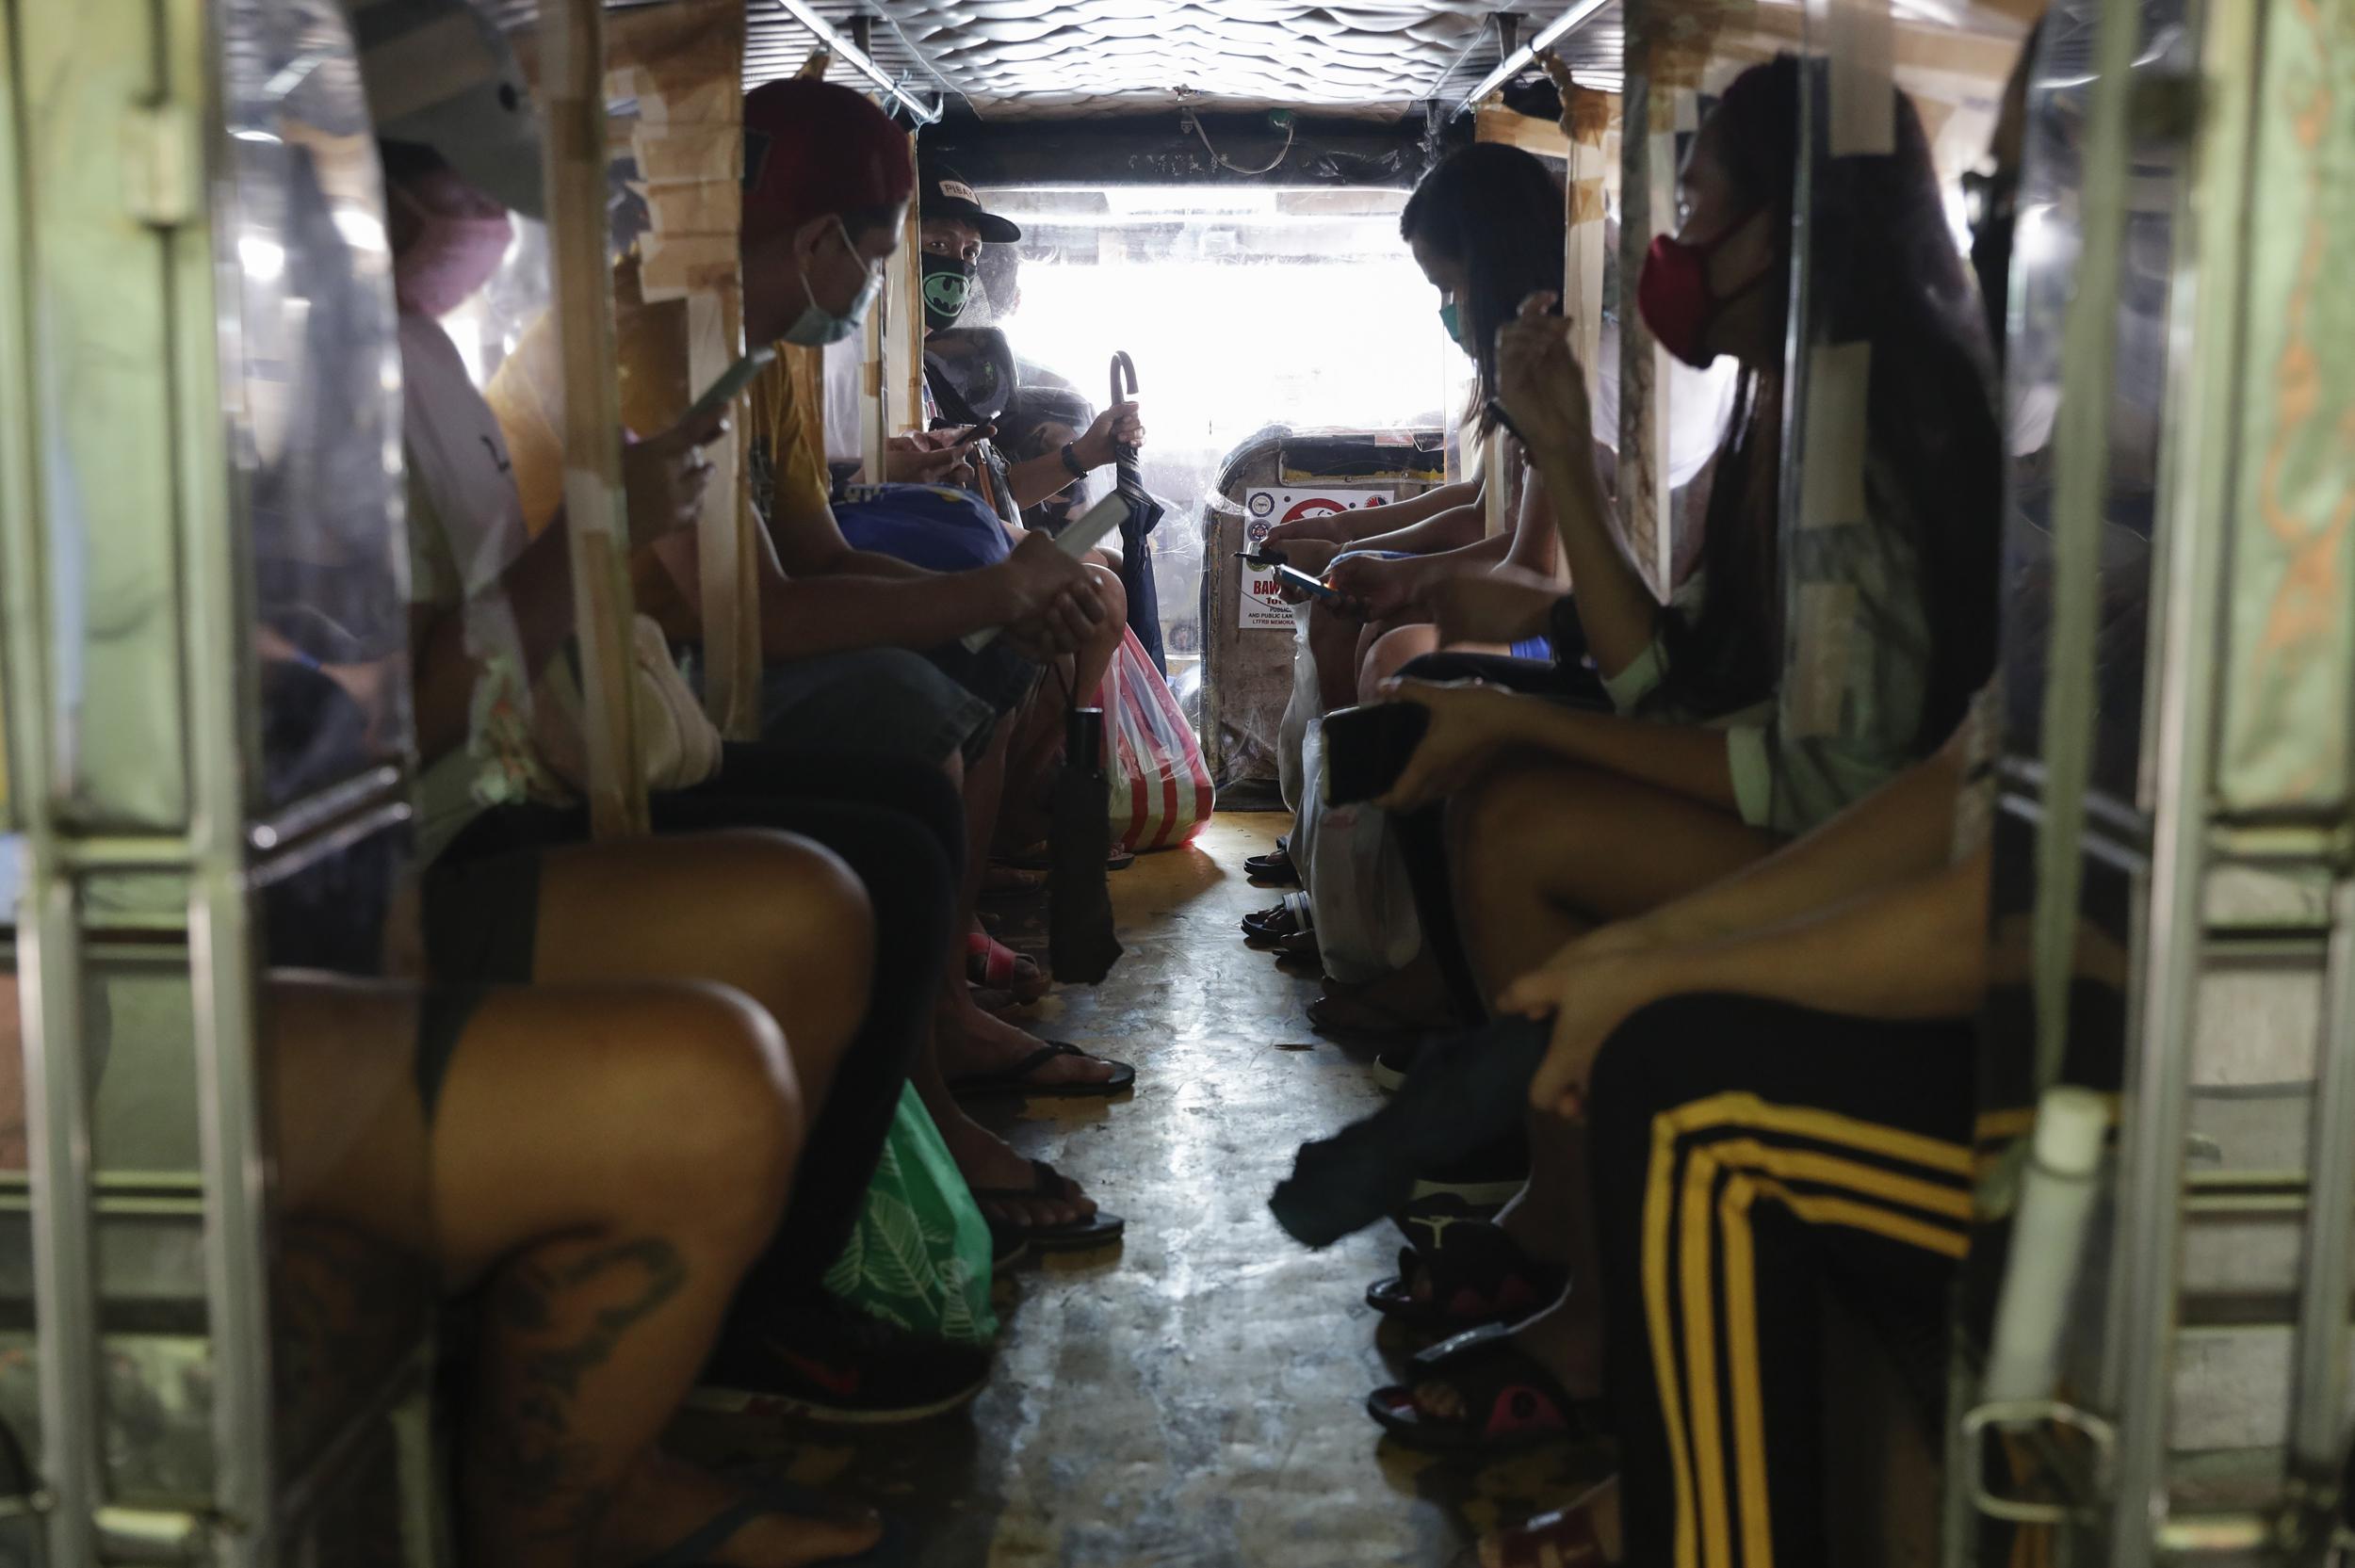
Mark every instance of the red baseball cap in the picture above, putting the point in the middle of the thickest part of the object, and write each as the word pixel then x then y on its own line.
pixel 813 147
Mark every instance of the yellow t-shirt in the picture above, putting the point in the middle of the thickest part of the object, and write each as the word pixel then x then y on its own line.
pixel 785 446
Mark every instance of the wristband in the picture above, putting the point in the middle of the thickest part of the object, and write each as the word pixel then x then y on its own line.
pixel 1071 460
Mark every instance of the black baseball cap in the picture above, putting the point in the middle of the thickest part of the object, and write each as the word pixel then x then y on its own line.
pixel 943 193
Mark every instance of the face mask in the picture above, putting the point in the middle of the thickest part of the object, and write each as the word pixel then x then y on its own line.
pixel 458 242
pixel 1674 296
pixel 947 289
pixel 1455 327
pixel 817 326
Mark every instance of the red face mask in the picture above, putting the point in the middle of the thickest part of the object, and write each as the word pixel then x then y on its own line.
pixel 1674 298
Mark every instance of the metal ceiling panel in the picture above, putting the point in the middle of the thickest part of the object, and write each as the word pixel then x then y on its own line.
pixel 1058 59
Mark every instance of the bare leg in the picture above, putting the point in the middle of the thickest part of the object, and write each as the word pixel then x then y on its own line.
pixel 1544 851
pixel 774 916
pixel 968 1040
pixel 1333 643
pixel 552 1169
pixel 1392 652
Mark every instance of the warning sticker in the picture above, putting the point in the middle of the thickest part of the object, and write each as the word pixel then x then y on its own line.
pixel 1262 609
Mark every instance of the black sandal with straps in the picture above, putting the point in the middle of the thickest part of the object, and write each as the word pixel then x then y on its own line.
pixel 1017 1079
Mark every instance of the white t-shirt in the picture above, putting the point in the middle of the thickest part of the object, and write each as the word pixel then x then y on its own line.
pixel 466 529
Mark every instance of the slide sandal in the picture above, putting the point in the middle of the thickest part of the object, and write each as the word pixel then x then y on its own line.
pixel 1097 1230
pixel 1017 1079
pixel 1510 1402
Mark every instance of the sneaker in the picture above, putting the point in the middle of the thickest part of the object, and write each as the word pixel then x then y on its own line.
pixel 836 1365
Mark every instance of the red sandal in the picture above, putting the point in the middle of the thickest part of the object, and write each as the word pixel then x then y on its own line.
pixel 990 963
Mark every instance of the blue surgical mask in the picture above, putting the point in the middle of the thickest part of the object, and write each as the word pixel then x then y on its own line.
pixel 817 326
pixel 1455 328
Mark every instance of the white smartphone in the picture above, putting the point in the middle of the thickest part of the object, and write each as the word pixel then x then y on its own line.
pixel 732 382
pixel 1084 533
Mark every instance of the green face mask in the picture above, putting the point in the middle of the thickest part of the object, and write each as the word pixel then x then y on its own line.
pixel 1455 328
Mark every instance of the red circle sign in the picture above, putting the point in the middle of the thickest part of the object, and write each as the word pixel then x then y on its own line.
pixel 1316 506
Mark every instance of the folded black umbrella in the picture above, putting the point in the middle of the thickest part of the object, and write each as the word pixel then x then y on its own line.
pixel 1466 1093
pixel 1080 941
pixel 1143 510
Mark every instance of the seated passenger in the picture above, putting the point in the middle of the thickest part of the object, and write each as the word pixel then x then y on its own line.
pixel 955 231
pixel 513 893
pixel 894 819
pixel 1831 984
pixel 1562 819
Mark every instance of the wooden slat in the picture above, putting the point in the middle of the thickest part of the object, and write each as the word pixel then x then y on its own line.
pixel 573 84
pixel 682 64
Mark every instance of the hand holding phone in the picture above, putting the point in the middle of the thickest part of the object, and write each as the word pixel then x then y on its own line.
pixel 732 382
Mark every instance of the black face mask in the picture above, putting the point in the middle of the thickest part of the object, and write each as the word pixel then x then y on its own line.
pixel 948 288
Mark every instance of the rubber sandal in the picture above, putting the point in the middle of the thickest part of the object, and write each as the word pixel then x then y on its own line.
pixel 1562 1539
pixel 1472 1275
pixel 1017 1079
pixel 1120 858
pixel 991 964
pixel 1511 1400
pixel 1098 1230
pixel 891 1551
pixel 1277 867
pixel 1293 917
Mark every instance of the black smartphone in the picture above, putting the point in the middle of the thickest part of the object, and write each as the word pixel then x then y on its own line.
pixel 1266 560
pixel 1299 581
pixel 1366 749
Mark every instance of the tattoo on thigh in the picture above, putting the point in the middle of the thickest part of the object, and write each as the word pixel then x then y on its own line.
pixel 541 1463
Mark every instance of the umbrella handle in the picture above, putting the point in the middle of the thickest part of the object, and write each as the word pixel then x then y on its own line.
pixel 1123 369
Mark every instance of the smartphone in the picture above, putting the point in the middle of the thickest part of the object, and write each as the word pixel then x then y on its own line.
pixel 732 382
pixel 1366 749
pixel 1265 560
pixel 1083 534
pixel 1300 582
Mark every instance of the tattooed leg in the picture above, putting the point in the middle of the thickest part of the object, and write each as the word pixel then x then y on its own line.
pixel 612 1157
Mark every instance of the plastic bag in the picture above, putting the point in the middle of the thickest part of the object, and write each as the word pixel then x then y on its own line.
pixel 1159 786
pixel 1299 713
pixel 919 1256
pixel 1363 904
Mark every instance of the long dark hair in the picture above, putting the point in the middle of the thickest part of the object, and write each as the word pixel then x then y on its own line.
pixel 1496 212
pixel 1887 272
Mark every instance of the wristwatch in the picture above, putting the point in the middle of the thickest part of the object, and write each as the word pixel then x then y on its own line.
pixel 1071 460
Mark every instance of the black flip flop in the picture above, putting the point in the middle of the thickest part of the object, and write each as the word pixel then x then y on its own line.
pixel 1511 1400
pixel 891 1551
pixel 1017 1079
pixel 1097 1230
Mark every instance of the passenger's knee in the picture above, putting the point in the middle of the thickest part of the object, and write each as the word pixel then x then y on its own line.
pixel 808 906
pixel 1391 652
pixel 1114 597
pixel 721 1111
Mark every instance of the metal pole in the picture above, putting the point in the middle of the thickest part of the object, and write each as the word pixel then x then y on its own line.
pixel 924 114
pixel 2138 1373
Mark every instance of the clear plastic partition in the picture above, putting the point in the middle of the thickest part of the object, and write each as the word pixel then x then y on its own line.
pixel 313 412
pixel 313 388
